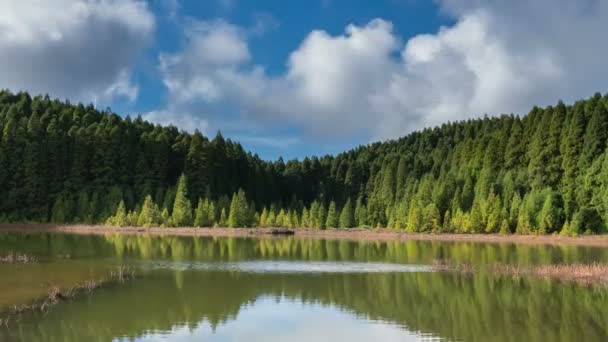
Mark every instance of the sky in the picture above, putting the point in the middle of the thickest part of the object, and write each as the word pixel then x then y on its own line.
pixel 306 77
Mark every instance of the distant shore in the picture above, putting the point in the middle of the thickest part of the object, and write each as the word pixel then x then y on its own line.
pixel 343 234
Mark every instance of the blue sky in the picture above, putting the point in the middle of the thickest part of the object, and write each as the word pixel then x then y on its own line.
pixel 285 25
pixel 310 77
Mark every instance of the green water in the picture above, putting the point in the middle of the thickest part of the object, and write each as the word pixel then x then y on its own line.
pixel 289 289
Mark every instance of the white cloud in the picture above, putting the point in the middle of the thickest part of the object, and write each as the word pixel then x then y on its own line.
pixel 498 57
pixel 81 49
pixel 214 49
pixel 183 120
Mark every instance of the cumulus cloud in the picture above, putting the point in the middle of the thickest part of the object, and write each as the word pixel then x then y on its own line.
pixel 81 49
pixel 498 57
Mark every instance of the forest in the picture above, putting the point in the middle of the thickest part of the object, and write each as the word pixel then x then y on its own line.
pixel 541 173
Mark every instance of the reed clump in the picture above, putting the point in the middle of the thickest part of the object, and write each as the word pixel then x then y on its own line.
pixel 55 295
pixel 17 258
pixel 594 274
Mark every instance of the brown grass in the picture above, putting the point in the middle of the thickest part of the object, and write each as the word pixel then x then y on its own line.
pixel 583 274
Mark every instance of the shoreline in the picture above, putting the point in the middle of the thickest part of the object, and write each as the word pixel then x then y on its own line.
pixel 353 234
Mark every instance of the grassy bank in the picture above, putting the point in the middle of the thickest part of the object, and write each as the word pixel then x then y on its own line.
pixel 346 234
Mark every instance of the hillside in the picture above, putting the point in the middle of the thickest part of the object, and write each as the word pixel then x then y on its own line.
pixel 543 172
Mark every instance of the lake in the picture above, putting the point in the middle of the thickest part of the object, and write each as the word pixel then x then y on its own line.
pixel 293 289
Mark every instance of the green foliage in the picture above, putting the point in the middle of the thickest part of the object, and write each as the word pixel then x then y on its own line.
pixel 332 216
pixel 119 218
pixel 347 217
pixel 223 222
pixel 201 214
pixel 239 211
pixel 545 172
pixel 182 208
pixel 585 221
pixel 150 215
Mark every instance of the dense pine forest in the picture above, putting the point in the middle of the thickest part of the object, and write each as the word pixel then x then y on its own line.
pixel 545 172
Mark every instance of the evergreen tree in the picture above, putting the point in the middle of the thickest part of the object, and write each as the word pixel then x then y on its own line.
pixel 120 217
pixel 69 163
pixel 149 215
pixel 360 214
pixel 431 220
pixel 305 220
pixel 239 211
pixel 332 216
pixel 415 219
pixel 223 222
pixel 212 213
pixel 347 218
pixel 182 208
pixel 551 216
pixel 201 216
pixel 263 218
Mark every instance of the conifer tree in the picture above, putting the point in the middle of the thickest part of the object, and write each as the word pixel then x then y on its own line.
pixel 347 218
pixel 551 216
pixel 120 217
pixel 415 219
pixel 305 220
pixel 212 214
pixel 223 222
pixel 201 216
pixel 263 218
pixel 360 214
pixel 239 211
pixel 432 218
pixel 332 216
pixel 271 221
pixel 447 222
pixel 283 219
pixel 149 215
pixel 182 208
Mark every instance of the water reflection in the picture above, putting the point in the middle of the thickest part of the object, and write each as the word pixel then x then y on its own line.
pixel 312 267
pixel 235 289
pixel 180 248
pixel 298 322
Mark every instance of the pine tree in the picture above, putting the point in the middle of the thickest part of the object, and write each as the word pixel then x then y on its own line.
pixel 149 215
pixel 415 219
pixel 572 147
pixel 360 214
pixel 120 217
pixel 212 214
pixel 493 217
pixel 515 149
pixel 332 216
pixel 431 218
pixel 263 218
pixel 201 217
pixel 476 223
pixel 305 221
pixel 271 221
pixel 551 216
pixel 239 211
pixel 281 220
pixel 447 222
pixel 401 178
pixel 223 222
pixel 347 217
pixel 182 208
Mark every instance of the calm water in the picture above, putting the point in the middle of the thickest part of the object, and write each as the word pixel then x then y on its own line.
pixel 234 289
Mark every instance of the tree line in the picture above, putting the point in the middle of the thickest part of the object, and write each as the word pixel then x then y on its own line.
pixel 544 172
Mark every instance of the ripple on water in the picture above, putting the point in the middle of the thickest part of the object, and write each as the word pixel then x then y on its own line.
pixel 292 267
